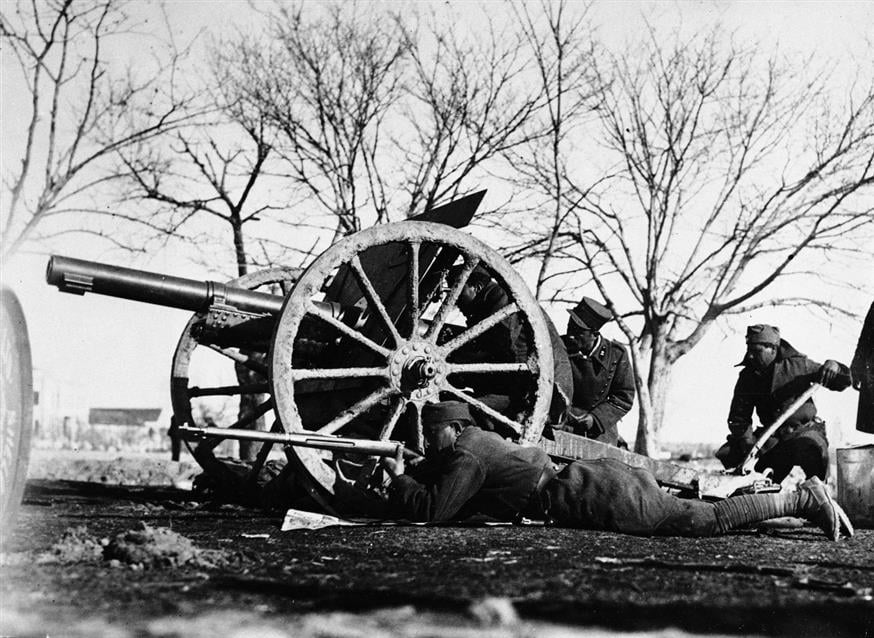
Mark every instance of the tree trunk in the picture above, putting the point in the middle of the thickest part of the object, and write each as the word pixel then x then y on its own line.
pixel 652 396
pixel 643 442
pixel 659 384
pixel 248 450
pixel 240 248
pixel 645 435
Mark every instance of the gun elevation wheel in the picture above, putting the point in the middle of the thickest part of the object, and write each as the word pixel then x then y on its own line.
pixel 392 349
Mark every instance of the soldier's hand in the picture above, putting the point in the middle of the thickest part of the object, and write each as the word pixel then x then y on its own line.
pixel 829 372
pixel 580 421
pixel 563 426
pixel 395 466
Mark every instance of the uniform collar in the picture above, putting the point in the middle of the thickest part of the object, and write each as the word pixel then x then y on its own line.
pixel 597 351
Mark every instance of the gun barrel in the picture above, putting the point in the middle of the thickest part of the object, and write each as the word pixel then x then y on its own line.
pixel 78 276
pixel 294 439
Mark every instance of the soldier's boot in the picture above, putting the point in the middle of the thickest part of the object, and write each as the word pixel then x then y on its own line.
pixel 810 501
pixel 816 505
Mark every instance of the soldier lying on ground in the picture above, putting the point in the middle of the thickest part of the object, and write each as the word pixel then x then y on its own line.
pixel 774 375
pixel 469 471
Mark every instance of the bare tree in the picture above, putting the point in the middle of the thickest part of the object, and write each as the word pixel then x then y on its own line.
pixel 214 172
pixel 377 112
pixel 325 79
pixel 467 102
pixel 732 171
pixel 558 40
pixel 81 111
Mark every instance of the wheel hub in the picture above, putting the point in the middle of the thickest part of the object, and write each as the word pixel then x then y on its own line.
pixel 417 370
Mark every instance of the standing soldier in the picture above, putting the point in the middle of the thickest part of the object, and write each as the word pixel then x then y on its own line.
pixel 863 374
pixel 774 375
pixel 603 382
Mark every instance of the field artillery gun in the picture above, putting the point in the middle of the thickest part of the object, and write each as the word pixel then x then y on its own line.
pixel 340 357
pixel 351 347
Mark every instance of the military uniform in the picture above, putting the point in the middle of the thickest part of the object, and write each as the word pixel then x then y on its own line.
pixel 509 342
pixel 602 378
pixel 863 374
pixel 603 386
pixel 475 472
pixel 484 474
pixel 801 440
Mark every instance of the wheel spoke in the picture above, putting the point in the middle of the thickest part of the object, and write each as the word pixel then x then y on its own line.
pixel 414 288
pixel 481 368
pixel 476 330
pixel 229 390
pixel 249 419
pixel 482 407
pixel 389 425
pixel 349 332
pixel 450 300
pixel 355 410
pixel 373 298
pixel 242 359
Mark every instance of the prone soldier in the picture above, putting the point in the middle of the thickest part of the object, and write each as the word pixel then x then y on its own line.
pixel 472 472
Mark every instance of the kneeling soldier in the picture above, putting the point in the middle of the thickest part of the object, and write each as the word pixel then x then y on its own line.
pixel 470 471
pixel 774 375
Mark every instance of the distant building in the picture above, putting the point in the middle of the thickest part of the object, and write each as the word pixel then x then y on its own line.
pixel 57 409
pixel 123 429
pixel 138 417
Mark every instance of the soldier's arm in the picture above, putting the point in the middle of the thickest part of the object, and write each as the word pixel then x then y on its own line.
pixel 740 412
pixel 458 481
pixel 620 397
pixel 832 374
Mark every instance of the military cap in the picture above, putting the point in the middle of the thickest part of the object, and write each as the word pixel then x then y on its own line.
pixel 590 314
pixel 761 333
pixel 445 412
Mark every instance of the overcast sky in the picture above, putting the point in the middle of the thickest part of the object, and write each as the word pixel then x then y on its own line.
pixel 112 353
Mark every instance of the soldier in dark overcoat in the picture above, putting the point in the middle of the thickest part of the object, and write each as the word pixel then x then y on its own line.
pixel 603 380
pixel 508 341
pixel 862 369
pixel 774 375
pixel 471 472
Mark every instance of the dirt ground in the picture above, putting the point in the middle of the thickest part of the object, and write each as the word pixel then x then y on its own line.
pixel 89 558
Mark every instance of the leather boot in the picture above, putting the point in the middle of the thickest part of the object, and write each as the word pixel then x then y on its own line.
pixel 816 505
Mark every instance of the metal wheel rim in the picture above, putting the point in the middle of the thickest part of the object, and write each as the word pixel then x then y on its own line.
pixel 16 407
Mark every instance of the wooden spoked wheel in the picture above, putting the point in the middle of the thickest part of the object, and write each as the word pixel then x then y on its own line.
pixel 16 407
pixel 243 400
pixel 395 352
